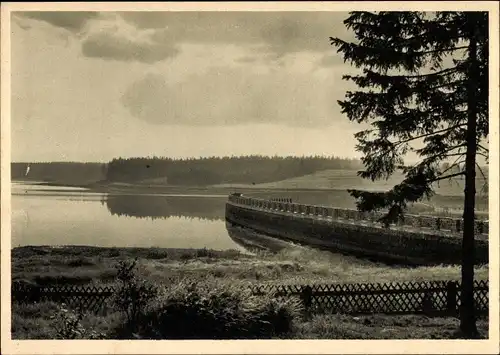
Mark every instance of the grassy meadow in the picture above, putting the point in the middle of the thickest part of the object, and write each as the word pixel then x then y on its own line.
pixel 49 320
pixel 448 198
pixel 294 265
pixel 216 273
pixel 343 179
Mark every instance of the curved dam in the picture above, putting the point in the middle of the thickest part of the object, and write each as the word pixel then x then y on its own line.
pixel 417 240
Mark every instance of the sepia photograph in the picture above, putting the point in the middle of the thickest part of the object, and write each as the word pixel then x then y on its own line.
pixel 229 174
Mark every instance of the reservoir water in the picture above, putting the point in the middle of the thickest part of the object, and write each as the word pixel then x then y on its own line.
pixel 44 215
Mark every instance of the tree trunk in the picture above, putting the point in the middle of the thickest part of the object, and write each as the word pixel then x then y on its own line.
pixel 467 311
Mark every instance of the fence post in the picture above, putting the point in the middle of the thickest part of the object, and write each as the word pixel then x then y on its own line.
pixel 457 225
pixel 480 227
pixel 451 298
pixel 438 223
pixel 307 297
pixel 35 294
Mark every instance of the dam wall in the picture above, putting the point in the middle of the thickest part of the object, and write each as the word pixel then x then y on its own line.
pixel 416 240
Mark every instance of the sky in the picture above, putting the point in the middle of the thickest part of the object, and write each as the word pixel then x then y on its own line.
pixel 89 86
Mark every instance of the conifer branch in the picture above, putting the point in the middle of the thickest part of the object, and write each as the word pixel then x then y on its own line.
pixel 485 184
pixel 338 41
pixel 483 155
pixel 481 171
pixel 444 153
pixel 460 81
pixel 428 159
pixel 483 148
pixel 455 154
pixel 441 72
pixel 455 163
pixel 446 177
pixel 429 134
pixel 441 50
pixel 407 39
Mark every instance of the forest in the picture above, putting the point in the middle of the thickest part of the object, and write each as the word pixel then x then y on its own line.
pixel 181 172
pixel 219 170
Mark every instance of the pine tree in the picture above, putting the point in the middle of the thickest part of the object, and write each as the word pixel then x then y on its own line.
pixel 423 89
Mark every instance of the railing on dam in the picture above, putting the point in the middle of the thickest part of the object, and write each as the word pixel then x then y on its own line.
pixel 454 225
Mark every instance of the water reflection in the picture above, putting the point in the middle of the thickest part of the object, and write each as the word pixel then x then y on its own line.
pixel 162 207
pixel 61 218
pixel 54 216
pixel 253 241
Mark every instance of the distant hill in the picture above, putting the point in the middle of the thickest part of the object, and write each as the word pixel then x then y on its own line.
pixel 65 173
pixel 250 172
pixel 253 169
pixel 348 179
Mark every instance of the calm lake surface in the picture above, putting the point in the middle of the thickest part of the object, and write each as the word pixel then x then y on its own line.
pixel 44 215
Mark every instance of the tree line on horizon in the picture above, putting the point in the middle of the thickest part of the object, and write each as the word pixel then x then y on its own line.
pixel 183 171
pixel 222 170
pixel 186 171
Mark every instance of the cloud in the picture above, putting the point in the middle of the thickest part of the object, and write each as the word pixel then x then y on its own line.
pixel 104 35
pixel 150 36
pixel 111 38
pixel 331 60
pixel 110 46
pixel 277 33
pixel 295 32
pixel 73 21
pixel 233 96
pixel 247 59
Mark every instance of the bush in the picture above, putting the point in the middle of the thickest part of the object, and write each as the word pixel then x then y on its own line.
pixel 133 293
pixel 81 261
pixel 198 253
pixel 68 325
pixel 213 310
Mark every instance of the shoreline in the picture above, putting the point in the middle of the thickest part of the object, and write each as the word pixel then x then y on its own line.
pixel 448 210
pixel 105 187
pixel 293 265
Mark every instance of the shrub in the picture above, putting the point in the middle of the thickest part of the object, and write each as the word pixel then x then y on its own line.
pixel 68 325
pixel 132 294
pixel 81 261
pixel 156 253
pixel 214 310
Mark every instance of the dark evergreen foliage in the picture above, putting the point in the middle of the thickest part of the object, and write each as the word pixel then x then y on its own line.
pixel 184 172
pixel 423 89
pixel 219 170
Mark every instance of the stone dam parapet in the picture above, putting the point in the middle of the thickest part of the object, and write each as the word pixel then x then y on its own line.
pixel 421 240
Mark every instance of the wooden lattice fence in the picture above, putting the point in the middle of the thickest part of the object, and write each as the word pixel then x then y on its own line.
pixel 427 297
pixel 92 298
pixel 431 297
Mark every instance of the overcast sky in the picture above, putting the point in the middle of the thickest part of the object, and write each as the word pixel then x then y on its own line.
pixel 94 86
